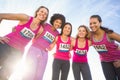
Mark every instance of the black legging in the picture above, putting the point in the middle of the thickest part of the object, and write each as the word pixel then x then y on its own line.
pixel 110 72
pixel 62 66
pixel 8 57
pixel 81 68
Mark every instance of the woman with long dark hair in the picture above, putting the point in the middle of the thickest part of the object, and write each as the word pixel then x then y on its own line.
pixel 103 40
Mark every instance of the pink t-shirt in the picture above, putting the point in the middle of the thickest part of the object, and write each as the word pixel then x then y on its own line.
pixel 107 49
pixel 62 49
pixel 80 54
pixel 23 34
pixel 46 38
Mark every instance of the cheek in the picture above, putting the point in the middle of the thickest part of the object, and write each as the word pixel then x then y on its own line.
pixel 45 16
pixel 84 34
pixel 90 26
pixel 97 27
pixel 69 30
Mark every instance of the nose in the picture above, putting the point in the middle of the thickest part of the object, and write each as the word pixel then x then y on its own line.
pixel 58 24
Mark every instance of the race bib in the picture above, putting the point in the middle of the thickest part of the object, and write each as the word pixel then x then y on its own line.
pixel 81 52
pixel 64 47
pixel 49 37
pixel 27 33
pixel 101 48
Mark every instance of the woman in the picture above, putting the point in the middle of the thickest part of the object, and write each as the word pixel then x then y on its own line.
pixel 103 39
pixel 37 53
pixel 80 48
pixel 12 45
pixel 61 63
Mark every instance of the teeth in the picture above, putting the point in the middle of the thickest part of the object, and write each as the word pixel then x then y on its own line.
pixel 41 16
pixel 56 25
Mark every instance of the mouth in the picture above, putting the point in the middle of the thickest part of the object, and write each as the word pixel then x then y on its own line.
pixel 41 17
pixel 92 28
pixel 56 26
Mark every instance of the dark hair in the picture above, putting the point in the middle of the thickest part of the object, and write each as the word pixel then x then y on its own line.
pixel 58 16
pixel 39 9
pixel 87 30
pixel 67 23
pixel 100 20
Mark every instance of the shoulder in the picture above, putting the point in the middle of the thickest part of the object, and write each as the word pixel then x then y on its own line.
pixel 89 42
pixel 73 41
pixel 72 38
pixel 57 37
pixel 114 36
pixel 111 35
pixel 47 24
pixel 25 19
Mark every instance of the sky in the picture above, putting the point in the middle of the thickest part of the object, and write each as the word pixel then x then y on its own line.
pixel 77 12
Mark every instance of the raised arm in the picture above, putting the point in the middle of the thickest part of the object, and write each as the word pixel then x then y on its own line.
pixel 52 44
pixel 114 36
pixel 4 39
pixel 11 16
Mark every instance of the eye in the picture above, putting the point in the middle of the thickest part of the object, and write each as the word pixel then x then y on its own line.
pixel 90 23
pixel 94 23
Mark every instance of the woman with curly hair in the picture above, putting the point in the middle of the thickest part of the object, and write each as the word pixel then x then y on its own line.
pixel 37 54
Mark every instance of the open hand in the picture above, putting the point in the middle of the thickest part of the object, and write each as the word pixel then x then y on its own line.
pixel 117 63
pixel 4 40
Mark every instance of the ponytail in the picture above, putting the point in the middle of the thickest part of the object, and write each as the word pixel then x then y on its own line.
pixel 107 30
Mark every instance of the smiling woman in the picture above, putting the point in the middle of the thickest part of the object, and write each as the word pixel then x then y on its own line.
pixel 108 9
pixel 110 52
pixel 13 44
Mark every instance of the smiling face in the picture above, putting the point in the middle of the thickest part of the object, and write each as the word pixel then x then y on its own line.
pixel 57 23
pixel 94 24
pixel 82 32
pixel 42 13
pixel 67 29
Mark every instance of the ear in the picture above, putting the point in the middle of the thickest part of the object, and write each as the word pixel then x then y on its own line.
pixel 100 23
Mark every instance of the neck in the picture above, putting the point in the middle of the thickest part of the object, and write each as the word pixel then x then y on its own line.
pixel 53 28
pixel 99 32
pixel 36 21
pixel 81 39
pixel 64 36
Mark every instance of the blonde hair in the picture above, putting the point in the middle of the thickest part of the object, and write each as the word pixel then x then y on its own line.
pixel 87 30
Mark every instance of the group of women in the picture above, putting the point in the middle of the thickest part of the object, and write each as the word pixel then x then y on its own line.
pixel 45 36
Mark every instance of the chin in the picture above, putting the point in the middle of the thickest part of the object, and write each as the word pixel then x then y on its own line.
pixel 93 30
